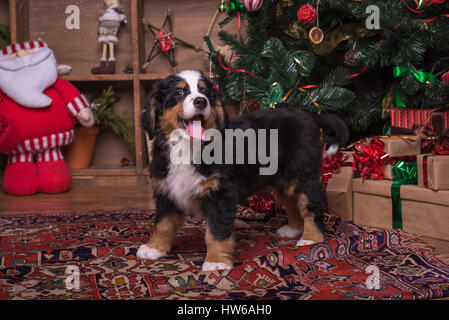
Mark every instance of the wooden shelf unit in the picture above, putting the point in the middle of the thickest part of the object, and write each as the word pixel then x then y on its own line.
pixel 19 13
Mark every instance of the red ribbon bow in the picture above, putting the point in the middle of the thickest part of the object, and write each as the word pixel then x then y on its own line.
pixel 442 148
pixel 332 164
pixel 166 40
pixel 262 202
pixel 370 159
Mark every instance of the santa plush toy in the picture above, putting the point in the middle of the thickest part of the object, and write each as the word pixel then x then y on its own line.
pixel 38 112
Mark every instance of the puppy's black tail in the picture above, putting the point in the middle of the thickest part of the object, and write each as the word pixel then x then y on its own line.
pixel 335 130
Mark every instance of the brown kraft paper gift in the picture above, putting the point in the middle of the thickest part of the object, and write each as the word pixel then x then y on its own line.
pixel 400 146
pixel 433 171
pixel 339 190
pixel 424 212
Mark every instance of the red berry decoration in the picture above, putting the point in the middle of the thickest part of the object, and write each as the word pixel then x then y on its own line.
pixel 307 14
pixel 350 58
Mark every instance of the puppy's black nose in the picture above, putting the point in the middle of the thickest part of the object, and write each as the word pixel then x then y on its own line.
pixel 200 103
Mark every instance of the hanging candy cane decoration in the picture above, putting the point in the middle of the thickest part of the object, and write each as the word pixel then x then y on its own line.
pixel 252 5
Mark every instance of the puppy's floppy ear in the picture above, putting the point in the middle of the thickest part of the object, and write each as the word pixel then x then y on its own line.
pixel 222 115
pixel 153 107
pixel 148 118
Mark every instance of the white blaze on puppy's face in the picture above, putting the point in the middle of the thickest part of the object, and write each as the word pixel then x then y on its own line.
pixel 192 114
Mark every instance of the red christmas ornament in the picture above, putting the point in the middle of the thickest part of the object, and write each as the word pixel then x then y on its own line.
pixel 252 5
pixel 350 58
pixel 307 14
pixel 445 78
pixel 437 1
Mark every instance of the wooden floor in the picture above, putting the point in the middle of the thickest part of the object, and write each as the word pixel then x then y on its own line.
pixel 81 198
pixel 85 198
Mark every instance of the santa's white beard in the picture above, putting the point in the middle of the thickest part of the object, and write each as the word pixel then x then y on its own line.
pixel 25 79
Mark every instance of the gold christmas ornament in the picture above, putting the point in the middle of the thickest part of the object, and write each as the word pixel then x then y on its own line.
pixel 316 35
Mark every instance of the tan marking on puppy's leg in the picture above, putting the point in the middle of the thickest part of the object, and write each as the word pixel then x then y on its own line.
pixel 162 238
pixel 312 234
pixel 219 253
pixel 289 188
pixel 290 205
pixel 211 184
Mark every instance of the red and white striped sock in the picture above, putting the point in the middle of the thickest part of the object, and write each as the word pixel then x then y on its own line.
pixel 22 157
pixel 53 154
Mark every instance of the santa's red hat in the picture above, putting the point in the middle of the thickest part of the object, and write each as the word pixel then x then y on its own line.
pixel 13 48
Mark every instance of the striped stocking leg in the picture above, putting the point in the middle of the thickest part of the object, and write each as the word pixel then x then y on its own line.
pixel 53 154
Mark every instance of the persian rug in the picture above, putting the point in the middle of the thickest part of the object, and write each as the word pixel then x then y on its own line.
pixel 39 252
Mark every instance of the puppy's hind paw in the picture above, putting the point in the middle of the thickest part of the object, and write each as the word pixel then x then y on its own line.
pixel 288 232
pixel 144 252
pixel 302 243
pixel 212 266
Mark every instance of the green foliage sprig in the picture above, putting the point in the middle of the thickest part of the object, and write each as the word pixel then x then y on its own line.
pixel 5 39
pixel 105 117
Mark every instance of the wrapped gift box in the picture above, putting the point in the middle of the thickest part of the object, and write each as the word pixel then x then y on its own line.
pixel 339 193
pixel 339 190
pixel 407 118
pixel 376 155
pixel 388 171
pixel 424 212
pixel 433 171
pixel 400 146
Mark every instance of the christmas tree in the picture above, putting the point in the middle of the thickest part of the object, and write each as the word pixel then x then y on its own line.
pixel 354 58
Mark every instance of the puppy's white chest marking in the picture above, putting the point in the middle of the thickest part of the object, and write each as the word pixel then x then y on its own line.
pixel 183 185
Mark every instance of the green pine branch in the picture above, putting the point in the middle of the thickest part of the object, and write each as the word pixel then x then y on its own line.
pixel 105 117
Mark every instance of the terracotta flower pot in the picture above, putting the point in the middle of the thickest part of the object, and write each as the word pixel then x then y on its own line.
pixel 79 153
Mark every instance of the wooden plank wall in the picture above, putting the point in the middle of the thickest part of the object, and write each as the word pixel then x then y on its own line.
pixel 4 12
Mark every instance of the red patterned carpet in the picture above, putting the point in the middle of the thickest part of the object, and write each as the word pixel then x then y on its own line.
pixel 35 251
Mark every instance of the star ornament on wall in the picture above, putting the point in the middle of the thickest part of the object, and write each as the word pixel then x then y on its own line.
pixel 164 41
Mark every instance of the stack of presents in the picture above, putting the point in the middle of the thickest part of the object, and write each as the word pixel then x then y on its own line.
pixel 397 181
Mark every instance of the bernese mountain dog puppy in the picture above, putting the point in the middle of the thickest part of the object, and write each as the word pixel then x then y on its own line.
pixel 187 102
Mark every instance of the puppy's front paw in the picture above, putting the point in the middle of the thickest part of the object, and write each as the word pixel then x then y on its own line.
pixel 144 252
pixel 302 243
pixel 288 232
pixel 211 266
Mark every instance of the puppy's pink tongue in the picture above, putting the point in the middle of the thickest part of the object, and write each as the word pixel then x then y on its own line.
pixel 195 130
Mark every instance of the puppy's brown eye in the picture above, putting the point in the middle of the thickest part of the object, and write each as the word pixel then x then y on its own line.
pixel 180 93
